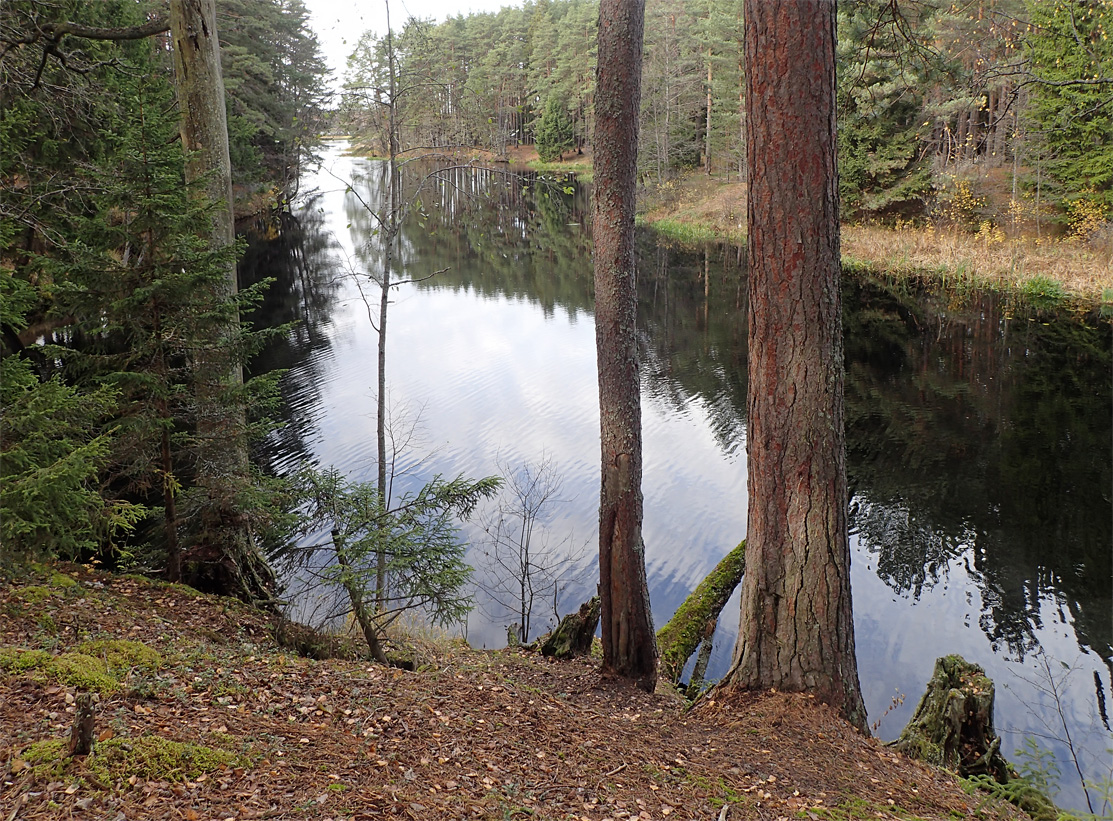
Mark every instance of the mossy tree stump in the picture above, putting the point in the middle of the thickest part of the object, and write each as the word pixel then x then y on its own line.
pixel 953 723
pixel 573 635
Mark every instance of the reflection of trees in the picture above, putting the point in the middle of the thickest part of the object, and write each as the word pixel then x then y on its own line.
pixel 978 436
pixel 974 436
pixel 692 314
pixel 299 257
pixel 518 234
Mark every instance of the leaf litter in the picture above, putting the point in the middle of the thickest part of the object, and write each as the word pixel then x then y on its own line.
pixel 470 735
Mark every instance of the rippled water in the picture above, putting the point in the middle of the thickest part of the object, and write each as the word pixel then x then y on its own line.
pixel 979 441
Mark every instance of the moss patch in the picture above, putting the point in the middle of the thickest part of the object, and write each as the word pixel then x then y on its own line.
pixel 72 669
pixel 121 655
pixel 33 594
pixel 61 581
pixel 17 661
pixel 678 639
pixel 154 758
pixel 46 758
pixel 148 757
pixel 98 666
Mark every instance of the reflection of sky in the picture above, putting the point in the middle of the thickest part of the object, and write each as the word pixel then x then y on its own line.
pixel 494 378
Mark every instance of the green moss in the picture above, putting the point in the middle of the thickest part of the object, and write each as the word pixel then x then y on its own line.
pixel 34 594
pixel 44 752
pixel 122 655
pixel 154 758
pixel 17 661
pixel 678 639
pixel 63 582
pixel 72 669
pixel 96 665
pixel 147 757
pixel 82 671
pixel 176 587
pixel 47 758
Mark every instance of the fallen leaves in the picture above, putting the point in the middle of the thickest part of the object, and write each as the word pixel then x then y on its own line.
pixel 482 735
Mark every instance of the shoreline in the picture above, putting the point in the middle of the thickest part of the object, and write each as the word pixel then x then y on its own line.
pixel 696 209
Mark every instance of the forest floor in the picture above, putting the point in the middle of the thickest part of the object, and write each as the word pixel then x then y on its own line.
pixel 696 207
pixel 203 715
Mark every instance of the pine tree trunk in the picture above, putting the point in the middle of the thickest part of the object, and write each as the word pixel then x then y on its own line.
pixel 629 648
pixel 797 629
pixel 225 557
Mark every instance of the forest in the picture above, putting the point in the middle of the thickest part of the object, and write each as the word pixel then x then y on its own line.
pixel 995 112
pixel 147 146
pixel 114 315
pixel 104 319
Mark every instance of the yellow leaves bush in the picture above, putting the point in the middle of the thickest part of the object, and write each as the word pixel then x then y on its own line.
pixel 1086 215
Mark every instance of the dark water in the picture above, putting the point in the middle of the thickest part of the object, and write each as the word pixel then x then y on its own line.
pixel 979 432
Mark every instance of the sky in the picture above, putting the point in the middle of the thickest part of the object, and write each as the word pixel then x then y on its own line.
pixel 340 23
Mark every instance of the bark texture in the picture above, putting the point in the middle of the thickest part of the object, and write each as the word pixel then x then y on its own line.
pixel 797 629
pixel 83 730
pixel 225 558
pixel 204 121
pixel 629 648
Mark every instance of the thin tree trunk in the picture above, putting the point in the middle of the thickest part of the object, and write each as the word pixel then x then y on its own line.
pixel 707 127
pixel 390 231
pixel 354 590
pixel 797 628
pixel 629 647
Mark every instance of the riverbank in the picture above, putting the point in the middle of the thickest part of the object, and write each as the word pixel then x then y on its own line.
pixel 203 714
pixel 698 209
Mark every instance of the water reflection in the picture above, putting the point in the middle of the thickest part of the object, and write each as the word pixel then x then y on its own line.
pixel 978 432
pixel 981 432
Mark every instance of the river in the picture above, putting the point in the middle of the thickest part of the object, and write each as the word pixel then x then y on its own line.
pixel 979 431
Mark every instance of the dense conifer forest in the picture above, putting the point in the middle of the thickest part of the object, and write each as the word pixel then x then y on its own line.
pixel 116 339
pixel 940 103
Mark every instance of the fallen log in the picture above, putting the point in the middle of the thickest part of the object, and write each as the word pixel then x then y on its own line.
pixel 678 639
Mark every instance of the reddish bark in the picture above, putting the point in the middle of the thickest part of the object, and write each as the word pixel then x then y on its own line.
pixel 797 630
pixel 629 645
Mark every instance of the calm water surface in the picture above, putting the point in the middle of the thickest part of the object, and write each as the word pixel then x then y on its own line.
pixel 979 432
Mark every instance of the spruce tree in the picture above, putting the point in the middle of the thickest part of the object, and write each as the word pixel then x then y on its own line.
pixel 555 133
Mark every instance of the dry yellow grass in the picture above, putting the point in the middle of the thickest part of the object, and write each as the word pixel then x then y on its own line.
pixel 986 258
pixel 699 208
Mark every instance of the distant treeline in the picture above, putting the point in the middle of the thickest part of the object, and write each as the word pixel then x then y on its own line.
pixel 941 104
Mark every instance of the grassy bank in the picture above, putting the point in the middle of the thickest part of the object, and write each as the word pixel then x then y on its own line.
pixel 203 714
pixel 697 209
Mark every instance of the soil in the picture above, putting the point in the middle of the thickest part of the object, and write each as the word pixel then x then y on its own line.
pixel 470 734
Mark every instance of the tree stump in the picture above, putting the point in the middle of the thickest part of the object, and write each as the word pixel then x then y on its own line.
pixel 84 725
pixel 953 723
pixel 574 633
